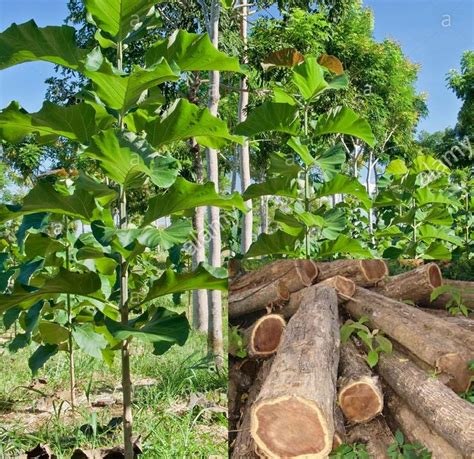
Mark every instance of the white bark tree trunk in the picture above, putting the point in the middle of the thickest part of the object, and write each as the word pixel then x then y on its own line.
pixel 263 214
pixel 244 150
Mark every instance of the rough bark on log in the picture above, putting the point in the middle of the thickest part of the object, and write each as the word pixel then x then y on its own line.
pixel 344 287
pixel 461 321
pixel 415 429
pixel 263 337
pixel 416 285
pixel 467 294
pixel 440 408
pixel 445 347
pixel 244 302
pixel 244 445
pixel 339 429
pixel 364 273
pixel 294 412
pixel 360 396
pixel 375 434
pixel 296 274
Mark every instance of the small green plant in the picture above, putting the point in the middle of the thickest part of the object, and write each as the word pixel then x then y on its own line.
pixel 355 451
pixel 402 450
pixel 455 304
pixel 373 339
pixel 237 343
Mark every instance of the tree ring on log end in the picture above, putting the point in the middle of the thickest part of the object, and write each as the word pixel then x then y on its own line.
pixel 307 271
pixel 267 334
pixel 290 427
pixel 374 270
pixel 434 276
pixel 360 401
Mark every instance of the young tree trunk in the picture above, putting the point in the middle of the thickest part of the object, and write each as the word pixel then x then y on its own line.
pixel 415 429
pixel 215 337
pixel 294 412
pixel 375 434
pixel 296 274
pixel 264 336
pixel 364 273
pixel 360 394
pixel 244 302
pixel 439 407
pixel 370 165
pixel 416 285
pixel 244 150
pixel 344 287
pixel 443 346
pixel 263 214
pixel 244 445
pixel 467 294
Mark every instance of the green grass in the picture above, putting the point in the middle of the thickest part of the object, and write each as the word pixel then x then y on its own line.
pixel 161 415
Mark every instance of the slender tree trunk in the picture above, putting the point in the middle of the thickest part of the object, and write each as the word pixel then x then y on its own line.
pixel 233 178
pixel 263 214
pixel 370 165
pixel 215 339
pixel 244 150
pixel 125 349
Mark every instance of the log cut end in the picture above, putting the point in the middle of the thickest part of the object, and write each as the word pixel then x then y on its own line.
pixel 307 271
pixel 374 270
pixel 266 335
pixel 456 367
pixel 290 427
pixel 344 287
pixel 361 400
pixel 435 277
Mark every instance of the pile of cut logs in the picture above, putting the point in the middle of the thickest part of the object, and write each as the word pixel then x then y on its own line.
pixel 300 392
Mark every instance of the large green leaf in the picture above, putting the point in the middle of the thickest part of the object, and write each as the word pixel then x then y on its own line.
pixel 118 17
pixel 301 149
pixel 122 91
pixel 184 120
pixel 426 163
pixel 278 186
pixel 41 356
pixel 184 195
pixel 89 341
pixel 343 245
pixel 331 160
pixel 308 77
pixel 129 160
pixel 343 120
pixel 342 184
pixel 397 167
pixel 27 42
pixel 164 329
pixel 191 52
pixel 288 223
pixel 83 284
pixel 278 242
pixel 45 198
pixel 424 196
pixel 270 116
pixel 76 122
pixel 172 282
pixel 53 333
pixel 436 251
pixel 428 233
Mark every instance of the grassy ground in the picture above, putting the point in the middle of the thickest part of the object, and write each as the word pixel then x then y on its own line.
pixel 178 405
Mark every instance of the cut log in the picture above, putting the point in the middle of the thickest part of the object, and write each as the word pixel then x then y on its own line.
pixel 440 408
pixel 294 412
pixel 244 302
pixel 244 445
pixel 296 274
pixel 415 429
pixel 263 337
pixel 462 321
pixel 344 287
pixel 445 347
pixel 467 294
pixel 360 395
pixel 339 429
pixel 416 285
pixel 375 434
pixel 364 273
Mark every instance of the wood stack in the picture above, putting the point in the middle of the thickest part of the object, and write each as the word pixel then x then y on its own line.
pixel 309 392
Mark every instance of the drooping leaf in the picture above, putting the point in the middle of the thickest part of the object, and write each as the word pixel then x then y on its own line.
pixel 118 17
pixel 191 52
pixel 288 223
pixel 397 167
pixel 75 122
pixel 372 358
pixel 308 77
pixel 424 196
pixel 129 160
pixel 41 245
pixel 301 149
pixel 286 57
pixel 172 282
pixel 332 63
pixel 32 221
pixel 346 185
pixel 278 242
pixel 164 329
pixel 436 251
pixel 429 232
pixel 64 282
pixel 27 42
pixel 268 117
pixel 278 186
pixel 53 333
pixel 424 163
pixel 41 356
pixel 280 96
pixel 27 270
pixel 184 195
pixel 331 160
pixel 184 120
pixel 89 341
pixel 344 120
pixel 334 223
pixel 343 245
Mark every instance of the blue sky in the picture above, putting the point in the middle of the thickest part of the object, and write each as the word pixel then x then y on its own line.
pixel 433 33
